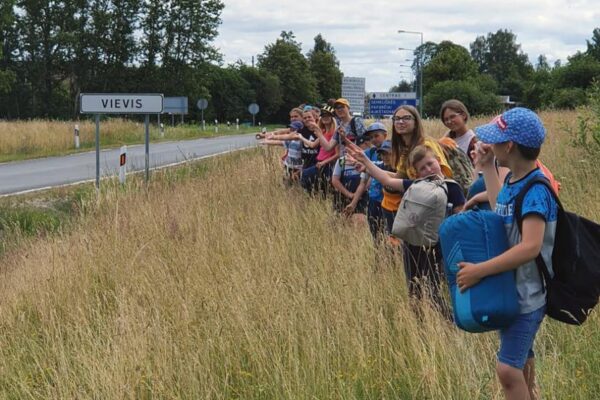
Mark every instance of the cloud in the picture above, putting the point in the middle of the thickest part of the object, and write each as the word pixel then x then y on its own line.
pixel 365 33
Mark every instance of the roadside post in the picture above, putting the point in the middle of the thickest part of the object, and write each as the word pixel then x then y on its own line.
pixel 122 164
pixel 76 133
pixel 162 130
pixel 202 104
pixel 117 103
pixel 237 124
pixel 216 126
pixel 253 109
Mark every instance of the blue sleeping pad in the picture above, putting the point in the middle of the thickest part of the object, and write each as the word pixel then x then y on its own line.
pixel 476 236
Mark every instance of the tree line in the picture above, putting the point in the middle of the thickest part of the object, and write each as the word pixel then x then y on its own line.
pixel 495 65
pixel 53 50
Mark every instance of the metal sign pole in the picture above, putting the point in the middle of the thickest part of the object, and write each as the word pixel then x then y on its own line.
pixel 146 127
pixel 97 151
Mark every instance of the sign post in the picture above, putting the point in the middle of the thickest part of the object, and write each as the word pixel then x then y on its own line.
pixel 122 164
pixel 383 103
pixel 76 132
pixel 253 109
pixel 202 104
pixel 115 103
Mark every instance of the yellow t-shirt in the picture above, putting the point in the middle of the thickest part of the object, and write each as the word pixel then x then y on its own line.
pixel 390 201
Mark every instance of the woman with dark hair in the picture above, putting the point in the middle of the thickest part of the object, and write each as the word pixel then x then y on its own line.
pixel 455 115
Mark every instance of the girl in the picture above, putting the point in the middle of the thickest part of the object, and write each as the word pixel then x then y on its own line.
pixel 454 115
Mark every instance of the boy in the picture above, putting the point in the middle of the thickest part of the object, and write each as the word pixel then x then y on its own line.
pixel 293 159
pixel 423 265
pixel 515 139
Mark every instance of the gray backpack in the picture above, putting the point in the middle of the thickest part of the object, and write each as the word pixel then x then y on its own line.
pixel 423 207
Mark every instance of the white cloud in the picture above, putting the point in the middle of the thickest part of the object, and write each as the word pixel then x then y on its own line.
pixel 364 33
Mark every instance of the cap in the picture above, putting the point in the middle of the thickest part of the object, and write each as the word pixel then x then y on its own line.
pixel 342 101
pixel 296 125
pixel 375 127
pixel 386 146
pixel 519 125
pixel 327 109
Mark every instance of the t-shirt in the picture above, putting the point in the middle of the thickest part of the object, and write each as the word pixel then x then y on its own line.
pixel 375 187
pixel 391 197
pixel 349 176
pixel 309 156
pixel 324 154
pixel 539 201
pixel 405 172
pixel 293 158
pixel 359 127
pixel 464 141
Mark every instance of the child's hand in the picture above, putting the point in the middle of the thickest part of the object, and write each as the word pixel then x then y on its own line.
pixel 483 155
pixel 468 276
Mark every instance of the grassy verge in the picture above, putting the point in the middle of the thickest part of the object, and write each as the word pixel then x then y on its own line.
pixel 33 139
pixel 217 282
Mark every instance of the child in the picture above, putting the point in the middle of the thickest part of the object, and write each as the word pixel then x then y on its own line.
pixel 423 265
pixel 345 180
pixel 293 159
pixel 515 139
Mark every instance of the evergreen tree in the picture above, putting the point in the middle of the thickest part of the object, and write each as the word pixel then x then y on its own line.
pixel 326 69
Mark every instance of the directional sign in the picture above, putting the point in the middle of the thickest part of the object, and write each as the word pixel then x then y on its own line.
pixel 202 104
pixel 381 107
pixel 175 105
pixel 114 103
pixel 253 108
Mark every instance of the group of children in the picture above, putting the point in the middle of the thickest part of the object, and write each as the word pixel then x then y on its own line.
pixel 332 153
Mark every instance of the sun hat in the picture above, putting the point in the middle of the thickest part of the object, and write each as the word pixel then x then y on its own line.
pixel 519 125
pixel 343 102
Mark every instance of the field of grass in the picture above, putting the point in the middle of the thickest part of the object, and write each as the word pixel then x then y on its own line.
pixel 41 138
pixel 217 282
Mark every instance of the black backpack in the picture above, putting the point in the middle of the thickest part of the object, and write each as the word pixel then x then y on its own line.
pixel 575 288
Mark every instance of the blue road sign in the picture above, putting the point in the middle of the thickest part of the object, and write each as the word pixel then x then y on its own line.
pixel 381 107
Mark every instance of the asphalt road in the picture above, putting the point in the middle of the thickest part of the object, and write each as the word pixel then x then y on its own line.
pixel 29 175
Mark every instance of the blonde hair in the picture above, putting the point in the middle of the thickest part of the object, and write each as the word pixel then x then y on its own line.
pixel 419 153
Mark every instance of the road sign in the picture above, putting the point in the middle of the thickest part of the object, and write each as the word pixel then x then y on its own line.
pixel 392 95
pixel 253 108
pixel 175 105
pixel 116 103
pixel 202 104
pixel 381 107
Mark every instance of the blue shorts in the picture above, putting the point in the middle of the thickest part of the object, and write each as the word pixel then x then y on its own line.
pixel 516 341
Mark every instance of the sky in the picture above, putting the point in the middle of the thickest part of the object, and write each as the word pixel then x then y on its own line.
pixel 365 33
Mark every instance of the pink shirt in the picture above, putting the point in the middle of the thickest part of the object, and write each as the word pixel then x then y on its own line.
pixel 323 154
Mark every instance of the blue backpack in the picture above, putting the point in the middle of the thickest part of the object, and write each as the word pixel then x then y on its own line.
pixel 476 236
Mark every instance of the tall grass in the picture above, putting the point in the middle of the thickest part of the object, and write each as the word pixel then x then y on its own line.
pixel 217 282
pixel 40 138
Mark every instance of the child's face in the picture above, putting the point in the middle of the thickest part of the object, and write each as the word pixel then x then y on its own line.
pixel 295 117
pixel 377 138
pixel 501 152
pixel 454 120
pixel 429 165
pixel 386 157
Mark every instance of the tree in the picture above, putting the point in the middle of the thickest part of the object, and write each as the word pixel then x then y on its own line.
pixel 476 100
pixel 266 87
pixel 593 46
pixel 402 87
pixel 7 18
pixel 451 62
pixel 326 69
pixel 500 55
pixel 230 93
pixel 284 59
pixel 579 72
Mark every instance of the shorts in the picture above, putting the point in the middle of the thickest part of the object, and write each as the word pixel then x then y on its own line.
pixel 516 341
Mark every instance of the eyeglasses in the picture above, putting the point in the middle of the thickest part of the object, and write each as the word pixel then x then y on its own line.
pixel 451 117
pixel 340 107
pixel 404 118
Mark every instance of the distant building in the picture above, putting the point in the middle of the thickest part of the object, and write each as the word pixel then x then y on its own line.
pixel 506 102
pixel 353 90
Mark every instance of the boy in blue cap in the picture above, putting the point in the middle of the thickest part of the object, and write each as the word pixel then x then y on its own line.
pixel 515 139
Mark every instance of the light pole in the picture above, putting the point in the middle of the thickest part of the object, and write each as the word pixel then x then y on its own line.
pixel 420 64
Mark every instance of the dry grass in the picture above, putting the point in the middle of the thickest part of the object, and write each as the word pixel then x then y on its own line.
pixel 219 283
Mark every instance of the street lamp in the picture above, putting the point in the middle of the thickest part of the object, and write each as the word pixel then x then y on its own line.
pixel 420 63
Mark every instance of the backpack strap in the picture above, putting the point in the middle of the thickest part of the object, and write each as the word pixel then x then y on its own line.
pixel 353 126
pixel 538 180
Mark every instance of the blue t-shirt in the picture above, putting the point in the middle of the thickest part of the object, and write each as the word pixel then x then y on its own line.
pixel 375 188
pixel 538 201
pixel 294 155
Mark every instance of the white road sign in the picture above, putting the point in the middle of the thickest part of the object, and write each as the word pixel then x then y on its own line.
pixel 114 103
pixel 353 90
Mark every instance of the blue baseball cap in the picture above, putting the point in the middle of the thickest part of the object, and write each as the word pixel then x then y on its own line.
pixel 519 125
pixel 296 125
pixel 385 146
pixel 375 127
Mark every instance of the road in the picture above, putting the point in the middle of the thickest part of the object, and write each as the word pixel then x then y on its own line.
pixel 30 175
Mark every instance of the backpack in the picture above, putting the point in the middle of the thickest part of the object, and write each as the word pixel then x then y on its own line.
pixel 423 207
pixel 575 287
pixel 459 162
